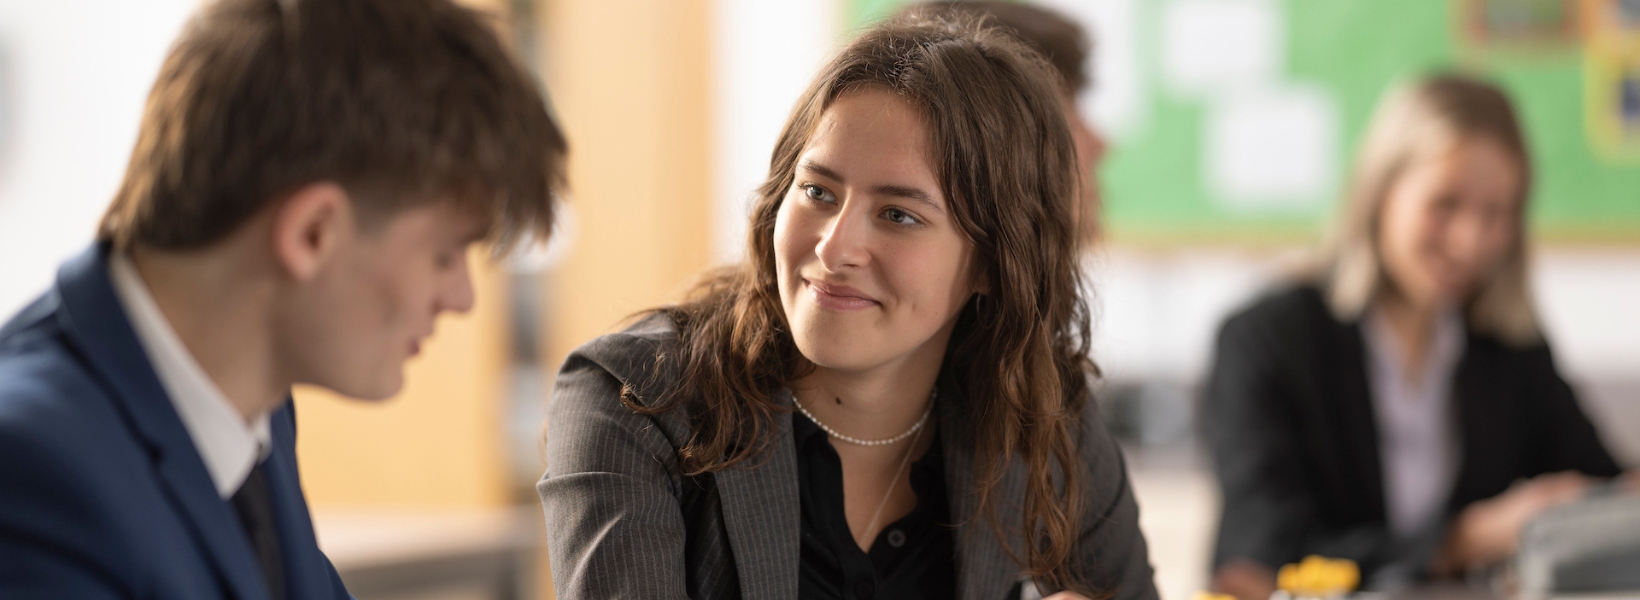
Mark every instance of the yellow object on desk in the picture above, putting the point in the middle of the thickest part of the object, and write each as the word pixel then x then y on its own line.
pixel 1212 596
pixel 1319 577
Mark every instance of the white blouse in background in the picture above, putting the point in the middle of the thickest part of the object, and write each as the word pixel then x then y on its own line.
pixel 1417 439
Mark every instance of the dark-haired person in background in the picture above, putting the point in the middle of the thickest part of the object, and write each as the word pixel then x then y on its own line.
pixel 1400 408
pixel 306 184
pixel 889 399
pixel 1066 46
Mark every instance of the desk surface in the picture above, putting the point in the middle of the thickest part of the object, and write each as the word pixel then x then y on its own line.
pixel 357 539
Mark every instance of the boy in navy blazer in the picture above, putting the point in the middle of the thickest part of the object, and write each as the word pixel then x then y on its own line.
pixel 298 208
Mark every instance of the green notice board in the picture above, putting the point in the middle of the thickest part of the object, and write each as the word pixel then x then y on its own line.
pixel 1158 188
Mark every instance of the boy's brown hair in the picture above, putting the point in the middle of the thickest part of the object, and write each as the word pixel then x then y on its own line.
pixel 402 102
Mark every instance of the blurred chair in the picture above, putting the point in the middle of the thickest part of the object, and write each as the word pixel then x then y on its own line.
pixel 465 554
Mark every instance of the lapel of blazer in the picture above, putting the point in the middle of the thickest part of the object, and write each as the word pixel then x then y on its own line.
pixel 1357 419
pixel 306 573
pixel 984 569
pixel 1481 410
pixel 95 322
pixel 762 516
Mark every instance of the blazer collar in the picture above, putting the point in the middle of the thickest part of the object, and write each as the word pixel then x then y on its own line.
pixel 984 568
pixel 1479 400
pixel 307 573
pixel 1355 419
pixel 95 323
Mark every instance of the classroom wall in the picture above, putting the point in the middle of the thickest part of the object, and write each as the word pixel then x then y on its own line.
pixel 73 76
pixel 629 80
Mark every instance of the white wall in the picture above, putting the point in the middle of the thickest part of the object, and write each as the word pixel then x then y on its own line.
pixel 73 78
pixel 764 56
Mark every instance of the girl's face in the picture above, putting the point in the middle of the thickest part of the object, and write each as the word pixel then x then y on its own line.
pixel 872 269
pixel 1449 221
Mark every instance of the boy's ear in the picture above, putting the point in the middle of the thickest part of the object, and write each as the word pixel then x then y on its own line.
pixel 309 226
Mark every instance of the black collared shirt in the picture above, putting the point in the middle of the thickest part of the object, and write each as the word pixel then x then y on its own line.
pixel 912 558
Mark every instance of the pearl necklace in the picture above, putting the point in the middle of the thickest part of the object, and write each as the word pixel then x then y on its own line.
pixel 882 442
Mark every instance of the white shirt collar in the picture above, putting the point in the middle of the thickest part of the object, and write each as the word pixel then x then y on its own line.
pixel 230 447
pixel 1446 348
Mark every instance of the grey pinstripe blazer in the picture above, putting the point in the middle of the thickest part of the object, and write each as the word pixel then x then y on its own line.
pixel 624 522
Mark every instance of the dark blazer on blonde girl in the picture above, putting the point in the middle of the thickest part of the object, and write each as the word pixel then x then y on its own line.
pixel 1289 421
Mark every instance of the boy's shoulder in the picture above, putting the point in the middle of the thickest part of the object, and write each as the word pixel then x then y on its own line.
pixel 48 393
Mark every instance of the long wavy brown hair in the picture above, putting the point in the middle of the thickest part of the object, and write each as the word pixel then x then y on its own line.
pixel 1018 355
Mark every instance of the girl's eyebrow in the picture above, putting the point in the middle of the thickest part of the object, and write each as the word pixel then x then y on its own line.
pixel 909 193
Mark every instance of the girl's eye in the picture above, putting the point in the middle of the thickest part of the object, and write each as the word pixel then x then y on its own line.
pixel 900 217
pixel 816 193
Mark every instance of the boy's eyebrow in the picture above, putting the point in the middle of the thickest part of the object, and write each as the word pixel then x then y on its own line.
pixel 912 193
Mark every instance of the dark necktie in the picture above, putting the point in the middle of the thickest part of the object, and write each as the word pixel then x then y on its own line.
pixel 255 508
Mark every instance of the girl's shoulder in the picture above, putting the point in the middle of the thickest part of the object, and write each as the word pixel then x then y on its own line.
pixel 603 385
pixel 635 357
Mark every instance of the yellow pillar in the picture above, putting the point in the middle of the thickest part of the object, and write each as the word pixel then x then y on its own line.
pixel 631 83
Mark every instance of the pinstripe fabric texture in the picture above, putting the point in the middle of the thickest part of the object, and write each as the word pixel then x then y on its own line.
pixel 624 522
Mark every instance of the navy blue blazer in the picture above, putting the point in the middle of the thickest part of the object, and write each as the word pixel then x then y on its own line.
pixel 102 493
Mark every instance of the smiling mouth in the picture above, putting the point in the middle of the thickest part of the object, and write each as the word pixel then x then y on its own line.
pixel 838 297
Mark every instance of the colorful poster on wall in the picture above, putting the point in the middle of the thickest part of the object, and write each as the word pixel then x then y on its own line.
pixel 1612 79
pixel 1520 22
pixel 1248 113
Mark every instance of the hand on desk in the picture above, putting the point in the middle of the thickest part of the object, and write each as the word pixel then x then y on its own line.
pixel 1245 579
pixel 1484 533
pixel 1489 531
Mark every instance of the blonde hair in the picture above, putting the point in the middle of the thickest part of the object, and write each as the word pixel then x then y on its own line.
pixel 1414 117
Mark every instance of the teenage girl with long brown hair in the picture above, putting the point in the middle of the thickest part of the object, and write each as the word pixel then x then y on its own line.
pixel 889 398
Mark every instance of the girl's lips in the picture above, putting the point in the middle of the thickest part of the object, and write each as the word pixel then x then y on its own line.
pixel 838 297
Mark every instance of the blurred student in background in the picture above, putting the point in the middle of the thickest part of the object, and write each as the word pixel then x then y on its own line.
pixel 889 399
pixel 307 181
pixel 1065 45
pixel 1400 407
